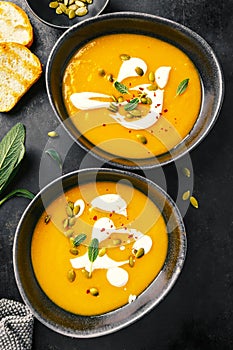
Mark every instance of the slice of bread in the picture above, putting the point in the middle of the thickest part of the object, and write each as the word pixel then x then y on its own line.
pixel 14 24
pixel 19 70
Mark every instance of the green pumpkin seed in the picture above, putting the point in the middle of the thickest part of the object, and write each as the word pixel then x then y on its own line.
pixel 69 211
pixel 149 100
pixel 131 261
pixel 142 139
pixel 52 134
pixel 140 252
pixel 71 221
pixel 194 202
pixel 186 195
pixel 86 274
pixel 110 78
pixel 74 251
pixel 152 87
pixel 124 57
pixel 139 71
pixel 120 99
pixel 135 113
pixel 94 291
pixel 66 223
pixel 59 10
pixel 53 4
pixel 101 72
pixel 81 11
pixel 47 219
pixel 152 76
pixel 79 3
pixel 102 252
pixel 71 275
pixel 114 98
pixel 76 210
pixel 186 172
pixel 144 100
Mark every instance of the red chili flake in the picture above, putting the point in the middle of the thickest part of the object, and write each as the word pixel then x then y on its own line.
pixel 161 128
pixel 88 291
pixel 165 129
pixel 154 94
pixel 152 130
pixel 110 215
pixel 111 226
pixel 133 95
pixel 130 131
pixel 102 229
pixel 141 88
pixel 160 114
pixel 125 228
pixel 107 189
pixel 158 104
pixel 165 110
pixel 130 236
pixel 122 224
pixel 95 218
pixel 128 100
pixel 130 84
pixel 104 124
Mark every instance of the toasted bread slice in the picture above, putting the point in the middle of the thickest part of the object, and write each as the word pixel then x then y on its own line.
pixel 14 24
pixel 19 70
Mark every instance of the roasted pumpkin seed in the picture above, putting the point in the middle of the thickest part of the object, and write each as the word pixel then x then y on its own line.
pixel 186 172
pixel 69 211
pixel 53 4
pixel 71 221
pixel 152 87
pixel 47 219
pixel 76 210
pixel 142 139
pixel 186 195
pixel 81 11
pixel 131 261
pixel 140 252
pixel 124 57
pixel 94 291
pixel 52 134
pixel 74 251
pixel 86 273
pixel 59 10
pixel 120 99
pixel 139 71
pixel 110 78
pixel 66 223
pixel 71 275
pixel 152 76
pixel 102 252
pixel 101 72
pixel 194 202
pixel 79 3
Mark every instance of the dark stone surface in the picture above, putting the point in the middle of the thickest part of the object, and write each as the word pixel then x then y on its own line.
pixel 197 313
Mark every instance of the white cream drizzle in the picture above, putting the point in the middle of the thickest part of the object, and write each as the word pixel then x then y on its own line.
pixel 110 203
pixel 127 69
pixel 88 100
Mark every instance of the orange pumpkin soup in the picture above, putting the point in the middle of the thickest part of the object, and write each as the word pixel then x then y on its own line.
pixel 132 95
pixel 97 247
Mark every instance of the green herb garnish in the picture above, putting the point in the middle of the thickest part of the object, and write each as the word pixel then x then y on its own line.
pixel 55 156
pixel 93 250
pixel 132 104
pixel 12 151
pixel 121 87
pixel 79 239
pixel 182 87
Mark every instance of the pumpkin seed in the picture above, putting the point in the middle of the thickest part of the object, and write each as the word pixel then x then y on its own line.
pixel 149 100
pixel 110 78
pixel 59 10
pixel 73 7
pixel 186 195
pixel 74 251
pixel 63 7
pixel 152 76
pixel 86 273
pixel 81 11
pixel 71 204
pixel 71 2
pixel 79 3
pixel 66 223
pixel 94 291
pixel 69 233
pixel 66 2
pixel 71 14
pixel 47 219
pixel 186 172
pixel 139 71
pixel 142 139
pixel 89 1
pixel 116 241
pixel 194 202
pixel 144 100
pixel 120 99
pixel 131 261
pixel 71 275
pixel 102 252
pixel 71 221
pixel 69 211
pixel 124 57
pixel 53 4
pixel 140 252
pixel 114 98
pixel 152 87
pixel 52 134
pixel 76 210
pixel 101 72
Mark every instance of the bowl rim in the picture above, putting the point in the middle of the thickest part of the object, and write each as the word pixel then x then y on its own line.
pixel 140 313
pixel 167 22
pixel 50 24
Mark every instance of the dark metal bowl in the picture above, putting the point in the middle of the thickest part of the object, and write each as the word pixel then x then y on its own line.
pixel 45 14
pixel 80 326
pixel 188 41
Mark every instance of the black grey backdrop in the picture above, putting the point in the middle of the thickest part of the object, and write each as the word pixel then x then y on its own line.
pixel 197 313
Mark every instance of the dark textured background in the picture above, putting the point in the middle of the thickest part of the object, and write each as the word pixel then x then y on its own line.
pixel 197 313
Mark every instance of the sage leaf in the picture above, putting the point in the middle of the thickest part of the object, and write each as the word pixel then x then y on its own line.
pixel 182 87
pixel 11 153
pixel 93 250
pixel 55 156
pixel 18 193
pixel 79 239
pixel 132 104
pixel 121 87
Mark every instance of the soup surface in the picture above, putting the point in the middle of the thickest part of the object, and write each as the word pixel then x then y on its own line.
pixel 97 247
pixel 132 95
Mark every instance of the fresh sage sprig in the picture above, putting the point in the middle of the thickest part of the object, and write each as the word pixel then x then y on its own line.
pixel 182 86
pixel 131 105
pixel 93 251
pixel 79 239
pixel 12 151
pixel 121 87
